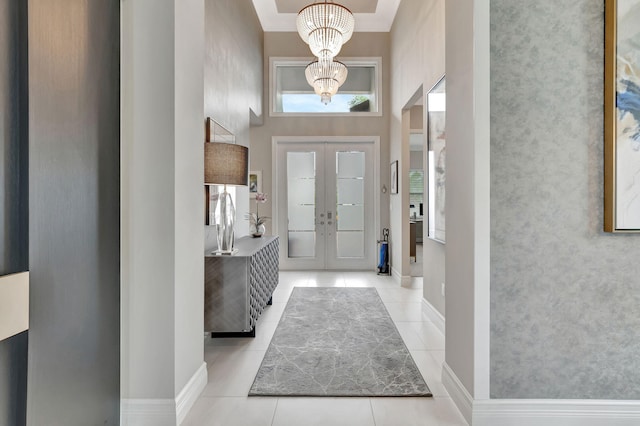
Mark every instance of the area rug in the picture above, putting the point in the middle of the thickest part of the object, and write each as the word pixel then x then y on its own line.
pixel 337 342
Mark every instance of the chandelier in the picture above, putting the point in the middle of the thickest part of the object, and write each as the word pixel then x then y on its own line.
pixel 326 77
pixel 325 27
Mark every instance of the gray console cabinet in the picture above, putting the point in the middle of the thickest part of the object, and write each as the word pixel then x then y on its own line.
pixel 238 287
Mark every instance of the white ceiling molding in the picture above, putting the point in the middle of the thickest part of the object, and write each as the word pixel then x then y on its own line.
pixel 380 21
pixel 355 6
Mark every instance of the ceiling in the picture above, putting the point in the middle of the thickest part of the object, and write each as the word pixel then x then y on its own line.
pixel 370 15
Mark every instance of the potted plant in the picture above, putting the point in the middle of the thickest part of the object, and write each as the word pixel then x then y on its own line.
pixel 256 222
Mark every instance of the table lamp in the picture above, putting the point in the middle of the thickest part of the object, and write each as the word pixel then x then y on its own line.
pixel 225 164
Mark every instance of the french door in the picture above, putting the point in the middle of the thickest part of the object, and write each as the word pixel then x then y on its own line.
pixel 325 207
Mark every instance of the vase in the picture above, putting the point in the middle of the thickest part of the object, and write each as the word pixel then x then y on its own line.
pixel 257 231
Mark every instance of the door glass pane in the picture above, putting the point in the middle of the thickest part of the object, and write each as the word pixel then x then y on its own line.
pixel 301 209
pixel 351 244
pixel 350 164
pixel 351 218
pixel 302 244
pixel 302 218
pixel 350 191
pixel 301 164
pixel 302 191
pixel 350 173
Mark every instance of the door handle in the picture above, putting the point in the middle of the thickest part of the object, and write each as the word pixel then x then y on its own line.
pixel 322 222
pixel 329 223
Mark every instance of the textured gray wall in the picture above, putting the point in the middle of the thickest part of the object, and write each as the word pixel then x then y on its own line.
pixel 14 251
pixel 564 296
pixel 74 213
pixel 234 43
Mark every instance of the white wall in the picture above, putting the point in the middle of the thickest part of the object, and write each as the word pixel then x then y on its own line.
pixel 162 204
pixel 417 51
pixel 415 160
pixel 189 172
pixel 464 259
pixel 467 203
pixel 147 207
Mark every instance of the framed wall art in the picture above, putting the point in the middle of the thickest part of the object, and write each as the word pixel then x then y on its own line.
pixel 622 116
pixel 436 157
pixel 255 183
pixel 394 177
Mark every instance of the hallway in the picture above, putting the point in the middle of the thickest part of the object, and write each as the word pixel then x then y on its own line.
pixel 233 363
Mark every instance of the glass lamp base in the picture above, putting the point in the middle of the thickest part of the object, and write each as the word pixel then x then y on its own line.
pixel 224 221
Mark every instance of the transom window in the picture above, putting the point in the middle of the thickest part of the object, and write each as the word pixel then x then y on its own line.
pixel 292 95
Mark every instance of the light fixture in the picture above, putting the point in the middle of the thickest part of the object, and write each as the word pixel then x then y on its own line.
pixel 326 77
pixel 325 27
pixel 225 164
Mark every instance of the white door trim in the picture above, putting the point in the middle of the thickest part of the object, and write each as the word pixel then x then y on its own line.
pixel 275 140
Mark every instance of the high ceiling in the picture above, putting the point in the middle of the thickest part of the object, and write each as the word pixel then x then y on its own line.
pixel 370 15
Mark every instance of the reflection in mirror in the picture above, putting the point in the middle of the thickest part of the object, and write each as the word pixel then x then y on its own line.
pixel 436 114
pixel 416 188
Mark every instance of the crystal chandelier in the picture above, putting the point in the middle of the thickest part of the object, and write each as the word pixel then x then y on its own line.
pixel 325 27
pixel 326 77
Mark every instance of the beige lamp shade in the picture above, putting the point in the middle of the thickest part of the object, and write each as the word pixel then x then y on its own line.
pixel 226 164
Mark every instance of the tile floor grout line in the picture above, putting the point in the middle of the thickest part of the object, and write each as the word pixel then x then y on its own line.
pixel 273 417
pixel 373 415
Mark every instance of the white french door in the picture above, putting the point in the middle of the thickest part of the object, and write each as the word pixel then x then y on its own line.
pixel 325 207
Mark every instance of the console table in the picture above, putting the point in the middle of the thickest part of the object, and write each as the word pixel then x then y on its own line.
pixel 238 287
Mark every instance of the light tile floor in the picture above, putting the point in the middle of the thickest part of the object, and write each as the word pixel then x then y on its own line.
pixel 416 267
pixel 233 363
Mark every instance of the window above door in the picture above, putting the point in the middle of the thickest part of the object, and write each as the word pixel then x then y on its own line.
pixel 291 95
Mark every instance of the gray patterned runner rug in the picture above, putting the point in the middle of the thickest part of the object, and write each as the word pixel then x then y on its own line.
pixel 337 342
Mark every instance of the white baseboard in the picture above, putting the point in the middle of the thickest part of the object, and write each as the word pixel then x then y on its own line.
pixel 434 315
pixel 539 412
pixel 406 281
pixel 416 282
pixel 458 393
pixel 555 412
pixel 148 412
pixel 190 392
pixel 164 412
pixel 396 275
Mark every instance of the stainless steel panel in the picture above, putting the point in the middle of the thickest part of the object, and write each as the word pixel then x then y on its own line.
pixel 14 196
pixel 226 294
pixel 74 211
pixel 14 191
